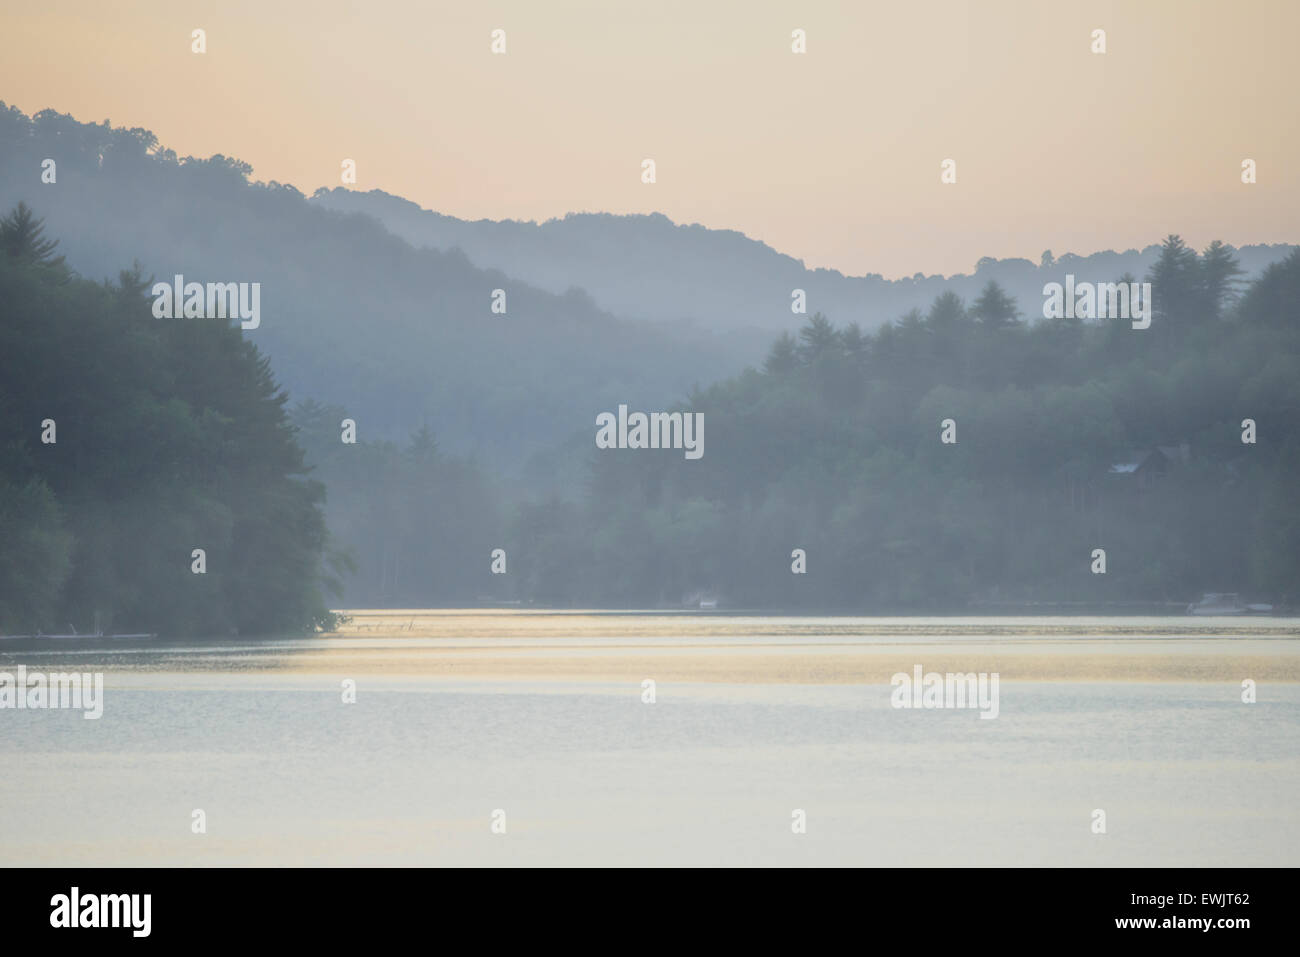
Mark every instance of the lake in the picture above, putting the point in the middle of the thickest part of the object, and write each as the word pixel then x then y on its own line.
pixel 539 722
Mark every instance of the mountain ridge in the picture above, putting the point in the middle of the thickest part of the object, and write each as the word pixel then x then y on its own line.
pixel 580 248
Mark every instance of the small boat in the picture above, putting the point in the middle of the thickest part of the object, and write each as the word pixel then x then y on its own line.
pixel 1219 603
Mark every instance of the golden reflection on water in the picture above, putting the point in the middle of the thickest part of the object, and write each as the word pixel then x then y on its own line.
pixel 722 648
pixel 803 650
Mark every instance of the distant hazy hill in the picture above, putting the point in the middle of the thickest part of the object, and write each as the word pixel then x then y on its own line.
pixel 384 309
pixel 649 267
pixel 351 314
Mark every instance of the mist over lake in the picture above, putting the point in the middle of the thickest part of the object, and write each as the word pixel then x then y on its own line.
pixel 541 716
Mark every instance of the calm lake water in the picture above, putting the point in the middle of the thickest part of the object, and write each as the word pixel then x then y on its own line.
pixel 459 715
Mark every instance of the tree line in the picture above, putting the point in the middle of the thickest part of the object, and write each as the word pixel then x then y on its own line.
pixel 833 447
pixel 128 443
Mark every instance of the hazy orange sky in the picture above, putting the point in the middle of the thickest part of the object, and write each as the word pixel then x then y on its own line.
pixel 832 156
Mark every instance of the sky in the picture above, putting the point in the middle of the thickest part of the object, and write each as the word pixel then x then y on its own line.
pixel 832 156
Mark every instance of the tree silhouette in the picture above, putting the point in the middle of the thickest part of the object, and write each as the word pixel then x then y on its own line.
pixel 1174 281
pixel 783 356
pixel 855 344
pixel 994 309
pixel 947 311
pixel 22 237
pixel 1219 278
pixel 818 339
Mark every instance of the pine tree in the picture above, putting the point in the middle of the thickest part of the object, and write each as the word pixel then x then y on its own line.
pixel 782 357
pixel 817 339
pixel 22 237
pixel 1175 282
pixel 1219 278
pixel 947 311
pixel 994 309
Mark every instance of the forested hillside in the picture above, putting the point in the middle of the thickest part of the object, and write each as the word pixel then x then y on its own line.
pixel 1070 436
pixel 129 441
pixel 475 430
pixel 835 448
pixel 351 314
pixel 126 443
